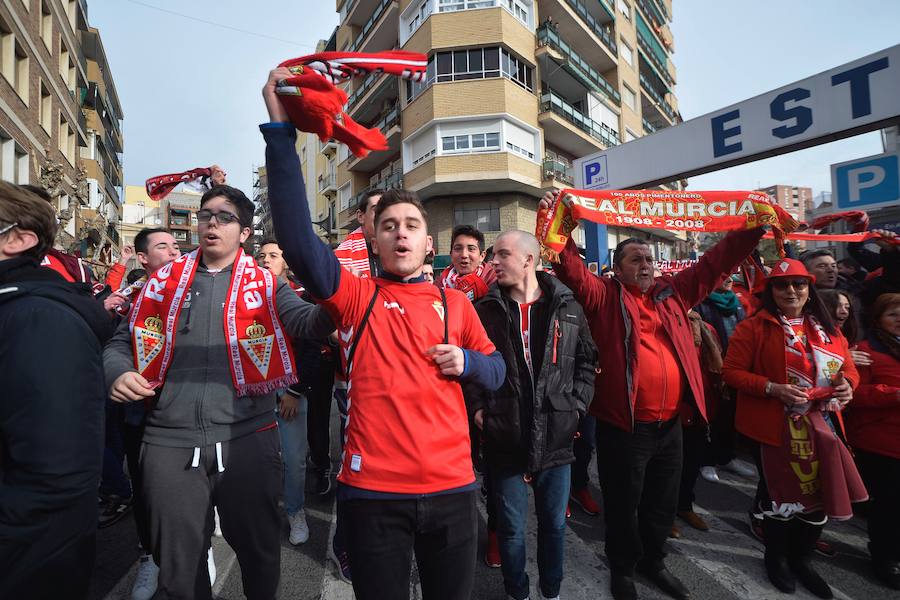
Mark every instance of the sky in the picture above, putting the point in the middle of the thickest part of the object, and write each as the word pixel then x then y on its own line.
pixel 190 90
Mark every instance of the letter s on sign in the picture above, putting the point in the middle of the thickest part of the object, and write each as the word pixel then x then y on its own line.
pixel 252 299
pixel 780 112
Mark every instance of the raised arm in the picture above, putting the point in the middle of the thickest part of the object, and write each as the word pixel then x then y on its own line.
pixel 695 283
pixel 309 258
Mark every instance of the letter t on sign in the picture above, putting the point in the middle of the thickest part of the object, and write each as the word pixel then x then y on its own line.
pixel 720 134
pixel 860 94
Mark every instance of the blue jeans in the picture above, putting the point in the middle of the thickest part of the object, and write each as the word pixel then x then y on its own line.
pixel 293 456
pixel 551 491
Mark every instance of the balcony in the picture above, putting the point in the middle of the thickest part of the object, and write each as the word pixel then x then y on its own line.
pixel 649 128
pixel 570 129
pixel 480 173
pixel 584 31
pixel 656 55
pixel 575 65
pixel 380 30
pixel 329 147
pixel 656 99
pixel 651 9
pixel 347 216
pixel 557 172
pixel 376 91
pixel 389 125
pixel 327 185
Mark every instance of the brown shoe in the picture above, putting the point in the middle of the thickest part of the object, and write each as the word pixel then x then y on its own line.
pixel 675 533
pixel 694 520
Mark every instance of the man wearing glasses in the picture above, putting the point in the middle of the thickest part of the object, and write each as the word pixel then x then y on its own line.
pixel 206 345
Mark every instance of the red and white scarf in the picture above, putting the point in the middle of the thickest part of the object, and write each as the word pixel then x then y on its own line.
pixel 353 254
pixel 315 104
pixel 812 469
pixel 162 185
pixel 251 325
pixel 474 285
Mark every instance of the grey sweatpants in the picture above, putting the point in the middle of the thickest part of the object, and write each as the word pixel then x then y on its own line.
pixel 179 501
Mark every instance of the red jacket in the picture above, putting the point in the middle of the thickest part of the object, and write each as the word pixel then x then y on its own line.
pixel 756 356
pixel 613 314
pixel 873 418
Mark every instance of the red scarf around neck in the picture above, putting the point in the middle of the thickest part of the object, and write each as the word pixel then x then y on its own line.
pixel 252 328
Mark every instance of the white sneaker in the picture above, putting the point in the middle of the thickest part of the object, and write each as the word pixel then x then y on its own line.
pixel 739 468
pixel 299 528
pixel 211 565
pixel 218 530
pixel 145 582
pixel 709 474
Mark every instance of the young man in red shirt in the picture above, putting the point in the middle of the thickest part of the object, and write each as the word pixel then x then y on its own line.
pixel 406 481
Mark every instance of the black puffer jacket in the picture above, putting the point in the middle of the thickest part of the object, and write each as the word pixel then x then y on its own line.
pixel 51 427
pixel 531 426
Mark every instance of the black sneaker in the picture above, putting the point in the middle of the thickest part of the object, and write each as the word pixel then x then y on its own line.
pixel 115 510
pixel 339 556
pixel 321 484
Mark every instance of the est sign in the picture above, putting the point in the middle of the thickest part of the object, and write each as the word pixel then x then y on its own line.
pixel 862 95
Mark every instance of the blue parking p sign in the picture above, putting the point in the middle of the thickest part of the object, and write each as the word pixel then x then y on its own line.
pixel 868 182
pixel 595 173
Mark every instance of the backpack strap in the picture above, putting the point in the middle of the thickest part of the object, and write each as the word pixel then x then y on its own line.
pixel 360 330
pixel 446 315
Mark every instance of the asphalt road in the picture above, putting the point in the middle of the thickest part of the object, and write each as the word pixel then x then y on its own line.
pixel 724 563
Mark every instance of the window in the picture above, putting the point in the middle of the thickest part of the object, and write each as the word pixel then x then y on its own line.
pixel 626 52
pixel 629 97
pixel 66 140
pixel 630 135
pixel 13 61
pixel 474 142
pixel 420 159
pixel 13 160
pixel 180 235
pixel 523 151
pixel 47 25
pixel 416 13
pixel 478 63
pixel 482 216
pixel 625 9
pixel 46 109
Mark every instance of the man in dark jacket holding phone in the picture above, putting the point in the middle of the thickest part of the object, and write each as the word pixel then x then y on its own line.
pixel 529 424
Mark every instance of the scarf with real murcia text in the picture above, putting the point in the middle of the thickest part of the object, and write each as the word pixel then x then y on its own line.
pixel 261 355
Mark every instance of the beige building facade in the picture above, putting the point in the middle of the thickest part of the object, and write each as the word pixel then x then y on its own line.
pixel 515 90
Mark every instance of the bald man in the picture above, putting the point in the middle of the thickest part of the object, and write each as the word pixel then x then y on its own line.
pixel 529 423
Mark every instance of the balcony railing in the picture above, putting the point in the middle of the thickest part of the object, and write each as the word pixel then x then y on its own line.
pixel 652 10
pixel 326 181
pixel 557 169
pixel 551 101
pixel 661 102
pixel 654 50
pixel 370 24
pixel 366 85
pixel 648 126
pixel 548 36
pixel 604 33
pixel 394 180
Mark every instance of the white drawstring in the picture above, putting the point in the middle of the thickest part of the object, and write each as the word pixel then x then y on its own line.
pixel 195 462
pixel 219 457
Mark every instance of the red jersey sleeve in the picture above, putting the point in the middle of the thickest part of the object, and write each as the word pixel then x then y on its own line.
pixel 347 305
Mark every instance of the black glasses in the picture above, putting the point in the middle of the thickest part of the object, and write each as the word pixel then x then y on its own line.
pixel 783 284
pixel 222 218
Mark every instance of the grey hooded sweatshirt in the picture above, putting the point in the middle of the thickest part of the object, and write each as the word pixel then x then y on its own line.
pixel 198 406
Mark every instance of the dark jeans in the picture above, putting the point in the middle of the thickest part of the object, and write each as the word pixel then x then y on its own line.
pixel 882 478
pixel 695 447
pixel 382 536
pixel 722 448
pixel 113 479
pixel 132 436
pixel 318 419
pixel 584 449
pixel 56 572
pixel 551 492
pixel 180 500
pixel 639 476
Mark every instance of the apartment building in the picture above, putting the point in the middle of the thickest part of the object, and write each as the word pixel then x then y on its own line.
pixel 515 91
pixel 798 201
pixel 177 212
